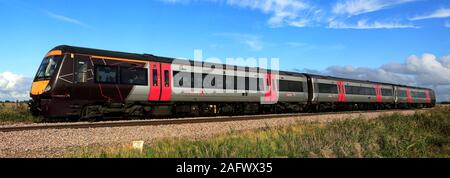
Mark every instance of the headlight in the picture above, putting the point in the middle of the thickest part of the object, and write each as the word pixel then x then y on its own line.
pixel 48 88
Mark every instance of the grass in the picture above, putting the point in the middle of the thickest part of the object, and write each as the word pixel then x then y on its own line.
pixel 425 134
pixel 15 112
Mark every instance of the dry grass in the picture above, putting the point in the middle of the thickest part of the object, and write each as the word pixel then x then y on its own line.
pixel 15 112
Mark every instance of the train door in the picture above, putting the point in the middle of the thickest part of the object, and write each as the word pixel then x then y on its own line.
pixel 83 74
pixel 310 89
pixel 378 93
pixel 395 93
pixel 270 88
pixel 160 81
pixel 166 75
pixel 408 93
pixel 341 91
pixel 427 97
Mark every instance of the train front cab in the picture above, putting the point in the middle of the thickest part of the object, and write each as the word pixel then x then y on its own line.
pixel 43 82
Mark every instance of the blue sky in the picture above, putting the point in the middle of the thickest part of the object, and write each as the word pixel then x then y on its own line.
pixel 343 37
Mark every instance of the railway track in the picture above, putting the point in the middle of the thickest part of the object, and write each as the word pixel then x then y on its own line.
pixel 170 121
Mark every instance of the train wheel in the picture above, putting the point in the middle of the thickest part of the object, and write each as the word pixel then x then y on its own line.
pixel 91 113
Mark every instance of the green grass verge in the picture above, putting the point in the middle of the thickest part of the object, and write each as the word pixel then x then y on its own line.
pixel 425 134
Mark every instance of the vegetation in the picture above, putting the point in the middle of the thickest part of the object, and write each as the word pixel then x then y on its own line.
pixel 425 134
pixel 15 112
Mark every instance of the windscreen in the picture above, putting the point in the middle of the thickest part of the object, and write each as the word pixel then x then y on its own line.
pixel 47 68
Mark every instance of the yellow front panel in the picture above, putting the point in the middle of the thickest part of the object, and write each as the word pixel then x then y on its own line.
pixel 38 87
pixel 54 53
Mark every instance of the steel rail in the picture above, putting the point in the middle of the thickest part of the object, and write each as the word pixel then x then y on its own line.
pixel 173 121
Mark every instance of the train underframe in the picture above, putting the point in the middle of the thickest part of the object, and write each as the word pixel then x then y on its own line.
pixel 99 110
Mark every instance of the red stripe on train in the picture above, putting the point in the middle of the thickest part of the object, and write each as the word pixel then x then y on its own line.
pixel 378 91
pixel 155 82
pixel 408 93
pixel 427 96
pixel 341 91
pixel 166 74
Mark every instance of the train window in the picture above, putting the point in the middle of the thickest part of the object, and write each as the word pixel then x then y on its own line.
pixel 253 84
pixel 284 86
pixel 416 94
pixel 247 83
pixel 370 91
pixel 155 77
pixel 166 78
pixel 192 80
pixel 82 71
pixel 235 83
pixel 327 88
pixel 106 74
pixel 211 78
pixel 181 78
pixel 133 76
pixel 386 92
pixel 295 86
pixel 402 93
pixel 354 90
pixel 261 84
pixel 240 83
pixel 422 95
pixel 198 80
pixel 47 68
pixel 290 86
pixel 228 82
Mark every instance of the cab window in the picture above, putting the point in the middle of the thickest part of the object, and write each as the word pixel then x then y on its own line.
pixel 47 68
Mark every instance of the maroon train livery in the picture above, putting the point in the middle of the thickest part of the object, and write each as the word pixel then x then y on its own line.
pixel 76 82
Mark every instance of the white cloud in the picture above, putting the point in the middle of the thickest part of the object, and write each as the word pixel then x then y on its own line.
pixel 14 86
pixel 425 71
pixel 440 13
pixel 304 13
pixel 357 7
pixel 291 12
pixel 363 24
pixel 296 13
pixel 66 19
pixel 252 41
pixel 428 70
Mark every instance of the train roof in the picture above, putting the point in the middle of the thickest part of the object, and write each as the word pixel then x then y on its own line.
pixel 150 57
pixel 116 54
pixel 362 81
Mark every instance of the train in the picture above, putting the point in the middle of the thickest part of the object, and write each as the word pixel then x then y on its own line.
pixel 84 83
